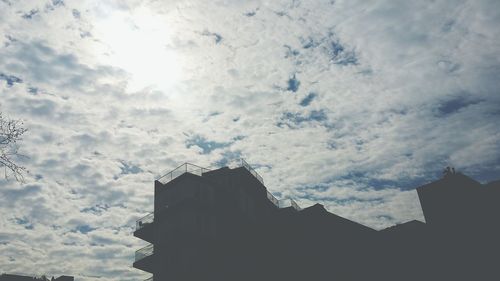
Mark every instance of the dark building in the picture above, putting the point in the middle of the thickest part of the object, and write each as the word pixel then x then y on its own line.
pixel 462 228
pixel 225 225
pixel 13 277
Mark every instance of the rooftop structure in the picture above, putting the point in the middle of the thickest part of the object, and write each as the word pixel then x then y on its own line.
pixel 224 224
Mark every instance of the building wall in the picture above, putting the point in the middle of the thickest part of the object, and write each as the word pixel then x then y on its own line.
pixel 221 226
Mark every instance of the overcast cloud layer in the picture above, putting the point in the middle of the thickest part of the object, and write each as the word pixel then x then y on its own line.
pixel 351 104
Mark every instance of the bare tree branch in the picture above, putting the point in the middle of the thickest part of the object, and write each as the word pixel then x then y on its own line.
pixel 11 132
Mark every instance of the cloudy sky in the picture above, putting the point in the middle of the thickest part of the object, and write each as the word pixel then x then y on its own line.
pixel 351 104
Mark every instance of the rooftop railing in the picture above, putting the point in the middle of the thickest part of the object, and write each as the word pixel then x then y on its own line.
pixel 273 199
pixel 197 170
pixel 142 222
pixel 182 169
pixel 295 205
pixel 251 170
pixel 144 252
pixel 284 203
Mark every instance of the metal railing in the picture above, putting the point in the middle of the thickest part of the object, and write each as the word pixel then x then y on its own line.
pixel 144 252
pixel 284 203
pixel 295 205
pixel 182 169
pixel 197 170
pixel 142 222
pixel 251 170
pixel 273 199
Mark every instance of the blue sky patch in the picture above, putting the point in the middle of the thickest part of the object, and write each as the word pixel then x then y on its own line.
pixel 10 79
pixel 334 49
pixel 76 14
pixel 293 84
pixel 370 180
pixel 33 90
pixel 217 37
pixel 55 4
pixel 342 201
pixel 96 210
pixel 12 195
pixel 29 15
pixel 58 2
pixel 211 114
pixel 281 13
pixel 290 118
pixel 308 99
pixel 9 40
pixel 290 52
pixel 448 25
pixel 454 105
pixel 339 55
pixel 24 222
pixel 337 52
pixel 251 13
pixel 317 115
pixel 227 158
pixel 84 229
pixel 206 145
pixel 386 217
pixel 128 168
pixel 309 43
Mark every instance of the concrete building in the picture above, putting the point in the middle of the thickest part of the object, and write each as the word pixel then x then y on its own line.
pixel 462 229
pixel 225 225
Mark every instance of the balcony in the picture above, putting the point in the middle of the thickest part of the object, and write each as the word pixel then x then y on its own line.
pixel 144 252
pixel 143 228
pixel 144 221
pixel 283 203
pixel 144 258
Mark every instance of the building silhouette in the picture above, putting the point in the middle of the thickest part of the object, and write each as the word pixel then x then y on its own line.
pixel 225 225
pixel 13 277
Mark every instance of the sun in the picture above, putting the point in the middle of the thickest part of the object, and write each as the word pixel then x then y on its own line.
pixel 137 42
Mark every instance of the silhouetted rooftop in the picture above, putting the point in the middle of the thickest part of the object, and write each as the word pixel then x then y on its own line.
pixel 452 181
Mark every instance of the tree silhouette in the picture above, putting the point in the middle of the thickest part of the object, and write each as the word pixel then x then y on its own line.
pixel 11 132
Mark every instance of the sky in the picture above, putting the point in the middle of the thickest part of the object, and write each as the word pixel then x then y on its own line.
pixel 351 104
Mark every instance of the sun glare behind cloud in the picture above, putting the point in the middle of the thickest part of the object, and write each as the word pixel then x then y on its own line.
pixel 136 42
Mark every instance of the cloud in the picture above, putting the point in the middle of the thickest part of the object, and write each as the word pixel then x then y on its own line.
pixel 41 64
pixel 11 196
pixel 351 104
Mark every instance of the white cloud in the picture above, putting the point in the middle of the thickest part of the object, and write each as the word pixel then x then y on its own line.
pixel 401 90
